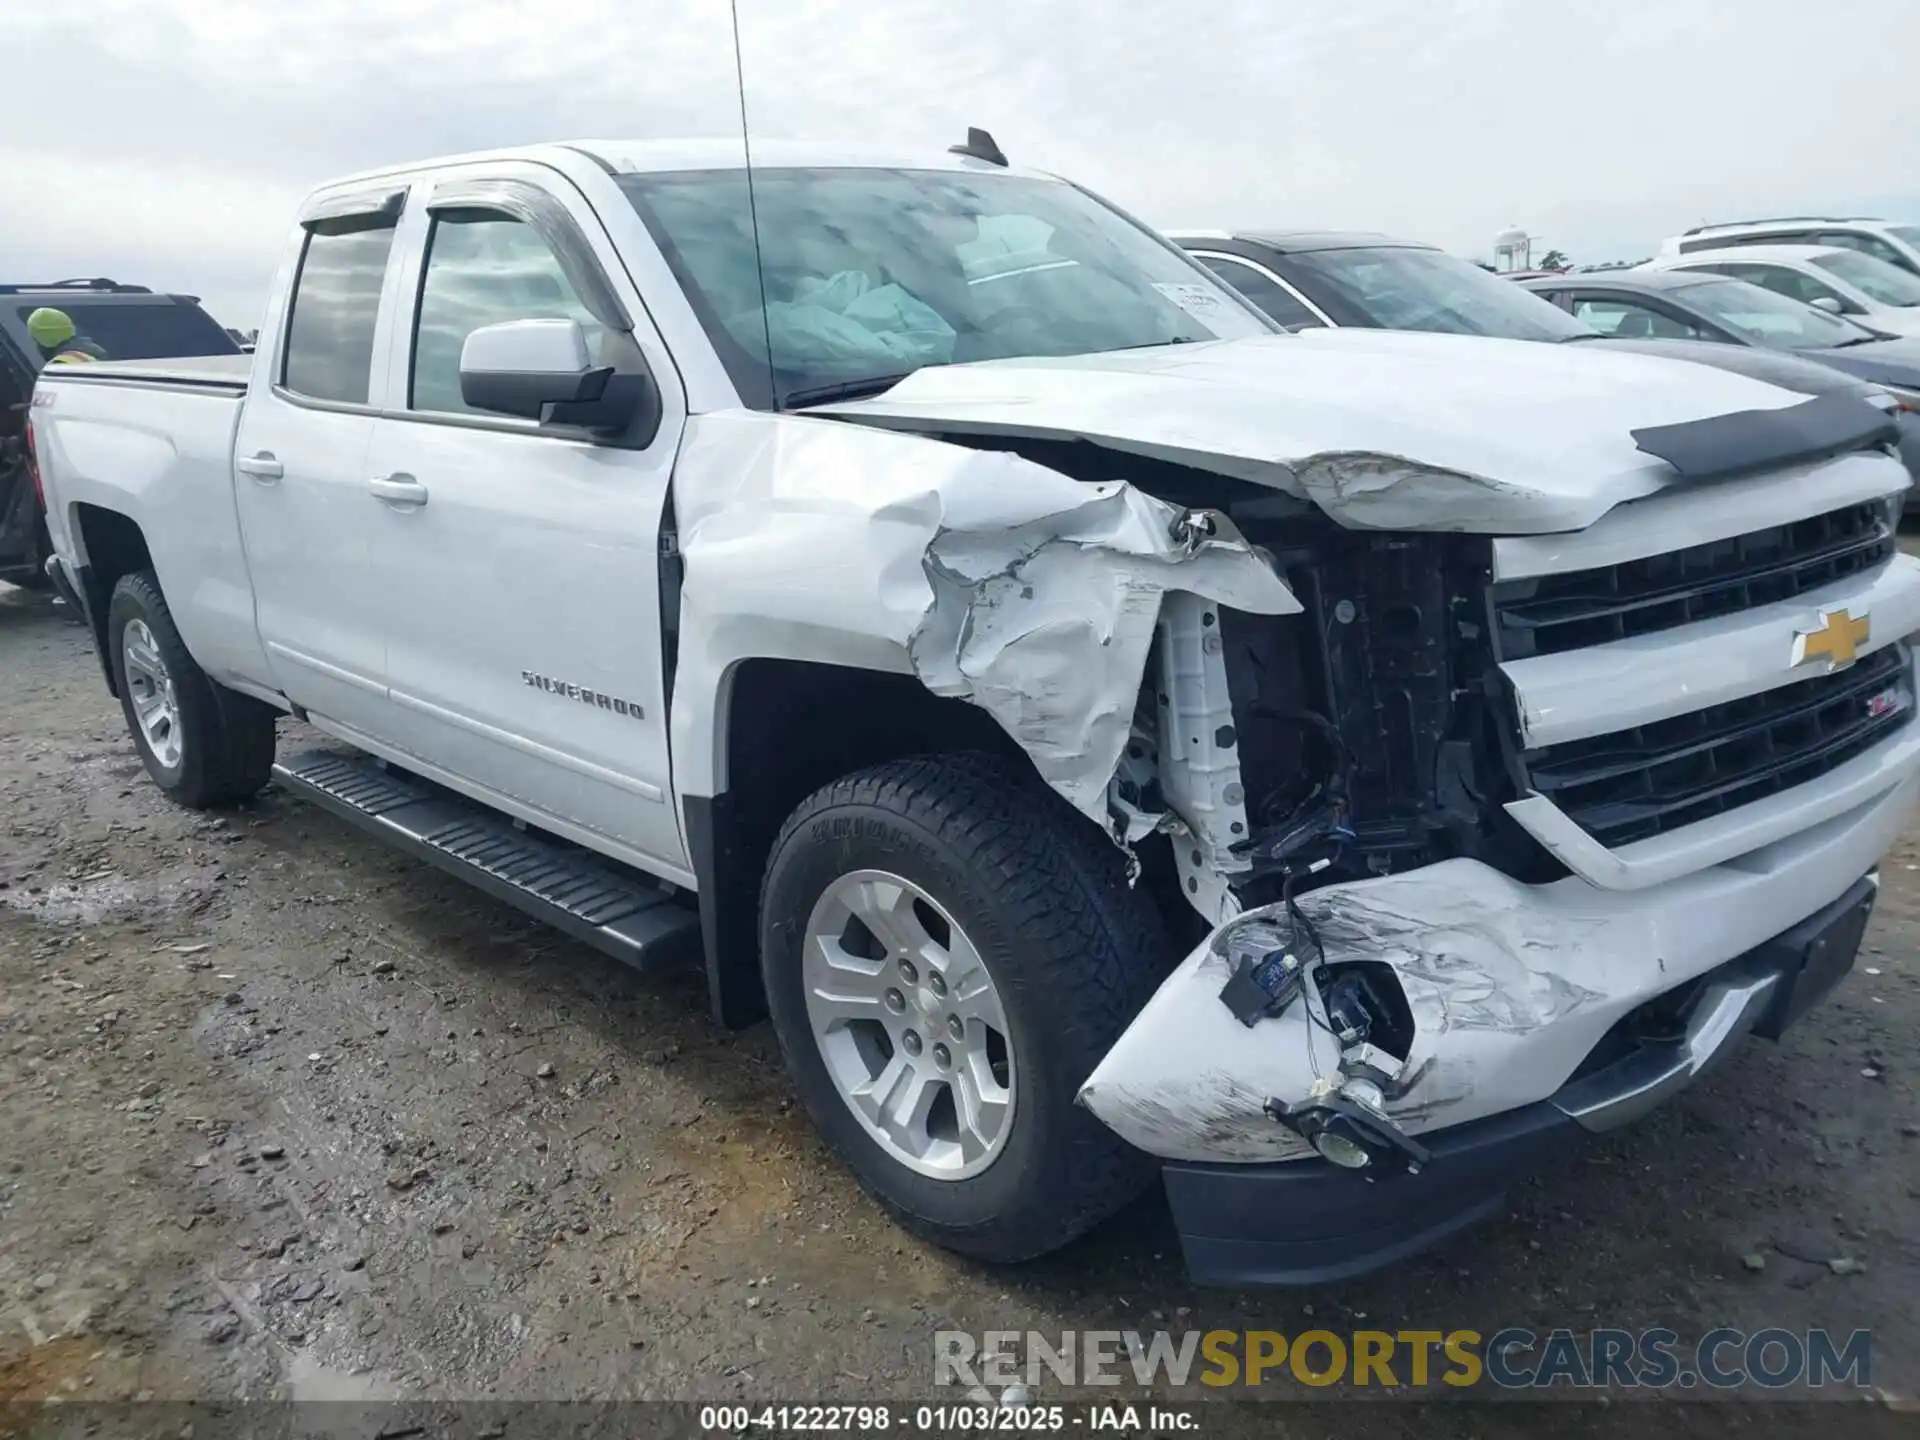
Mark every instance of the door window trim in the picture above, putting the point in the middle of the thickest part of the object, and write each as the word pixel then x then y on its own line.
pixel 350 214
pixel 1259 269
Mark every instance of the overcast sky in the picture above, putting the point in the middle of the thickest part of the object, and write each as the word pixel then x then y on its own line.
pixel 167 141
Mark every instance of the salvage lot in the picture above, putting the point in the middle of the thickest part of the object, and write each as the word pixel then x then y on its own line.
pixel 286 1114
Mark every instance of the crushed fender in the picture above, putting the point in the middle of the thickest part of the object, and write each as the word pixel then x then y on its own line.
pixel 994 579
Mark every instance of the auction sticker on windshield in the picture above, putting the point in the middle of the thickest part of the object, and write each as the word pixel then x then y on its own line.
pixel 1204 305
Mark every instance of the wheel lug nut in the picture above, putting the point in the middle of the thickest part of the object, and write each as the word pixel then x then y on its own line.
pixel 896 1002
pixel 910 1042
pixel 956 1029
pixel 907 972
pixel 937 982
pixel 941 1057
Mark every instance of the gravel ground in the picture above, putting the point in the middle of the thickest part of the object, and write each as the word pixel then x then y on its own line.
pixel 284 1115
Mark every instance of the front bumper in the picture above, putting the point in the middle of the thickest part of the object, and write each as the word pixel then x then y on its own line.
pixel 1309 1222
pixel 1510 987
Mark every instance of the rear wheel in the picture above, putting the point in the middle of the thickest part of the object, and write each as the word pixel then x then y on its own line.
pixel 203 744
pixel 948 951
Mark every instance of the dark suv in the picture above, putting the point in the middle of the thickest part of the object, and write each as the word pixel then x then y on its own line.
pixel 127 322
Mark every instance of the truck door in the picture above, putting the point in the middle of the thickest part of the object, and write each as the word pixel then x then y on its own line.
pixel 518 565
pixel 300 458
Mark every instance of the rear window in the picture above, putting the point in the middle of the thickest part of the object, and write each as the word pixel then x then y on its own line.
pixel 142 330
pixel 1872 277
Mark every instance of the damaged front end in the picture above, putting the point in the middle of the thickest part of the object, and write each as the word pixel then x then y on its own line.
pixel 1391 965
pixel 1333 741
pixel 1289 757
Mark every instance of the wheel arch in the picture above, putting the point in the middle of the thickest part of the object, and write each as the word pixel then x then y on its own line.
pixel 782 729
pixel 111 546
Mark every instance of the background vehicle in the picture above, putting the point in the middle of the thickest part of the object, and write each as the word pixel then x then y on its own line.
pixel 1308 278
pixel 1886 240
pixel 944 646
pixel 130 323
pixel 1700 305
pixel 1842 282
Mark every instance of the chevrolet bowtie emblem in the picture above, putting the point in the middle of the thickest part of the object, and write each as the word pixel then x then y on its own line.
pixel 1836 639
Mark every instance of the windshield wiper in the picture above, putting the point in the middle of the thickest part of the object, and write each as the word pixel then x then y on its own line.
pixel 1569 339
pixel 861 389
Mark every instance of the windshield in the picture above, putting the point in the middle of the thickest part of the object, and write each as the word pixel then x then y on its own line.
pixel 870 273
pixel 1908 233
pixel 1872 277
pixel 1406 289
pixel 1768 318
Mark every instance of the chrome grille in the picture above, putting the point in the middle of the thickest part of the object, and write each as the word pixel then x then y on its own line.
pixel 1638 783
pixel 1553 613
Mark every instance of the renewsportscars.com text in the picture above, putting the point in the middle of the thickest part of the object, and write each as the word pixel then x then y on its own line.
pixel 1510 1359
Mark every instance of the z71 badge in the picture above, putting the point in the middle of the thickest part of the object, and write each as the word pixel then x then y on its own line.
pixel 581 693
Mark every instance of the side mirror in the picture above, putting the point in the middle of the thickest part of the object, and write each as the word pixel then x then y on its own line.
pixel 540 370
pixel 1829 303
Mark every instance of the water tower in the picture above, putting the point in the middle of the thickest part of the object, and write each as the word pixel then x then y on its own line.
pixel 1512 250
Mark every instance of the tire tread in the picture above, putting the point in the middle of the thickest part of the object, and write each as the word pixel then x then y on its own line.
pixel 230 737
pixel 1064 888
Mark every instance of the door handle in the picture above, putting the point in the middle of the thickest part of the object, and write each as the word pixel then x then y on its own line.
pixel 398 490
pixel 261 467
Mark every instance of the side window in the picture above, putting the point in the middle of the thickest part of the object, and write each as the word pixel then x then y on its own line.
pixel 1790 283
pixel 483 268
pixel 1867 244
pixel 336 300
pixel 1262 291
pixel 1625 319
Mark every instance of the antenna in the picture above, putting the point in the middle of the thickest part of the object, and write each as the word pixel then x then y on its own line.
pixel 979 146
pixel 753 210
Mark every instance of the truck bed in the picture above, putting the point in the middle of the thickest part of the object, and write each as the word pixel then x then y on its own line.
pixel 152 440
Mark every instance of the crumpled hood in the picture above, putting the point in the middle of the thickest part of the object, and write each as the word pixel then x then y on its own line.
pixel 1382 429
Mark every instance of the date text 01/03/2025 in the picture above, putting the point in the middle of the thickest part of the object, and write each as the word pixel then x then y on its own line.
pixel 949 1419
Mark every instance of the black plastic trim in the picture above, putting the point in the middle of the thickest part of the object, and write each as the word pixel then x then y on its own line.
pixel 1750 440
pixel 1548 614
pixel 1634 784
pixel 358 210
pixel 93 604
pixel 722 870
pixel 1307 1222
pixel 622 915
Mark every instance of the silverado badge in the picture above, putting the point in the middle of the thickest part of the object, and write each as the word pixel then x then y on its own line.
pixel 567 690
pixel 1836 639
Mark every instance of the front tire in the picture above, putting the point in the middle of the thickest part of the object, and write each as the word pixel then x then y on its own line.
pixel 948 951
pixel 203 744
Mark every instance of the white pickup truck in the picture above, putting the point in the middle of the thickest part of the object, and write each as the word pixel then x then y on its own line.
pixel 1106 735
